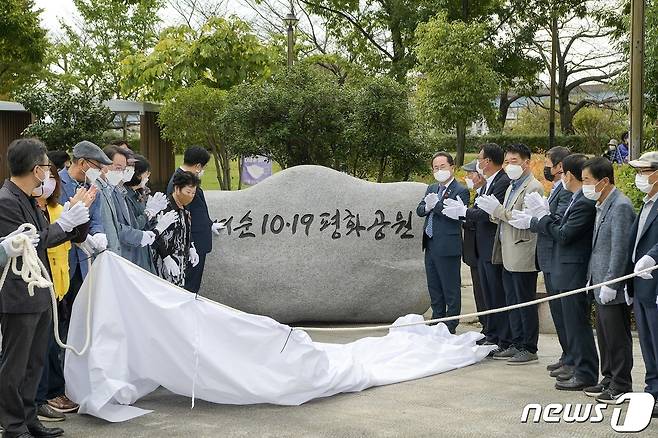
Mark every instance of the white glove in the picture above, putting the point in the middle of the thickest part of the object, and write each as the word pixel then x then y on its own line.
pixel 607 294
pixel 520 219
pixel 537 205
pixel 217 227
pixel 171 266
pixel 454 208
pixel 194 256
pixel 431 199
pixel 155 204
pixel 166 220
pixel 645 262
pixel 148 237
pixel 629 299
pixel 488 203
pixel 100 241
pixel 12 239
pixel 74 216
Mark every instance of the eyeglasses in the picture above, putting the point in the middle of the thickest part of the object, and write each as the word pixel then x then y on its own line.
pixel 94 165
pixel 47 166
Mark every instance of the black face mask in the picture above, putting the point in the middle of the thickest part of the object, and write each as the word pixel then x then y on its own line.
pixel 547 174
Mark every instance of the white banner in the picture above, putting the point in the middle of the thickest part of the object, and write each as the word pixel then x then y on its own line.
pixel 147 333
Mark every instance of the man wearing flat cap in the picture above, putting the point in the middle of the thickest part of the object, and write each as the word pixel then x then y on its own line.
pixel 644 254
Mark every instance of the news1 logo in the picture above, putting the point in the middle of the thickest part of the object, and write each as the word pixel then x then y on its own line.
pixel 638 413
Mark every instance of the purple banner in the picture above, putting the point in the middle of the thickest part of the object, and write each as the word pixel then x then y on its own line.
pixel 255 169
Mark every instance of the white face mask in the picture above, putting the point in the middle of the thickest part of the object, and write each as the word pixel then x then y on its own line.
pixel 46 188
pixel 114 177
pixel 92 174
pixel 642 183
pixel 589 191
pixel 478 168
pixel 514 171
pixel 470 184
pixel 442 175
pixel 200 174
pixel 128 173
pixel 564 185
pixel 145 181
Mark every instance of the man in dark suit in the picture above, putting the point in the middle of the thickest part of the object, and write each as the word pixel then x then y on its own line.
pixel 572 235
pixel 25 319
pixel 644 254
pixel 442 240
pixel 490 165
pixel 558 200
pixel 195 160
pixel 474 181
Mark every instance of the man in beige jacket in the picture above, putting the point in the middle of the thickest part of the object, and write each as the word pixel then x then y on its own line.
pixel 516 250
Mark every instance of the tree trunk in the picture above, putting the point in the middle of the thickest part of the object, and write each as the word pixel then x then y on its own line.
pixel 503 109
pixel 566 116
pixel 461 143
pixel 382 166
pixel 240 172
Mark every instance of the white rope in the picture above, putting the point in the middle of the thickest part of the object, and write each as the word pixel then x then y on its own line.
pixel 35 274
pixel 476 314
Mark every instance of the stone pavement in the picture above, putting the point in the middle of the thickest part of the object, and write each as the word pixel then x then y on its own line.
pixel 482 400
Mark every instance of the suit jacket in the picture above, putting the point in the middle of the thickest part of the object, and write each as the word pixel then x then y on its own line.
pixel 469 248
pixel 609 248
pixel 76 255
pixel 485 230
pixel 516 249
pixel 644 290
pixel 201 222
pixel 447 237
pixel 572 235
pixel 17 209
pixel 558 201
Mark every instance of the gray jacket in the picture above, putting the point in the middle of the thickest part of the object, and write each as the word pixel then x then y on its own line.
pixel 612 231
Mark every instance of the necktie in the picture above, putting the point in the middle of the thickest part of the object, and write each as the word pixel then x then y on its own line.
pixel 428 230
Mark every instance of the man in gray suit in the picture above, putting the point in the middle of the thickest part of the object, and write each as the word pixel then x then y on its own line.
pixel 442 240
pixel 558 201
pixel 614 212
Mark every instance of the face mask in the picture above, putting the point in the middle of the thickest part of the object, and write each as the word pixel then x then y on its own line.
pixel 514 171
pixel 589 191
pixel 114 177
pixel 92 174
pixel 642 183
pixel 128 174
pixel 49 187
pixel 548 175
pixel 478 168
pixel 469 183
pixel 564 185
pixel 442 175
pixel 200 174
pixel 145 181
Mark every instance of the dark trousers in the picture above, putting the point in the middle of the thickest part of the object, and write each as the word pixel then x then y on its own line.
pixel 613 333
pixel 66 306
pixel 24 345
pixel 444 286
pixel 52 379
pixel 479 297
pixel 580 338
pixel 521 287
pixel 646 317
pixel 491 280
pixel 558 320
pixel 194 274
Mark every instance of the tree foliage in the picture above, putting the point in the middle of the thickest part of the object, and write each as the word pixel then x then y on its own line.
pixel 23 44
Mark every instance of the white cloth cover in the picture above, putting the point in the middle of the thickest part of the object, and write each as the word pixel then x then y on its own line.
pixel 147 333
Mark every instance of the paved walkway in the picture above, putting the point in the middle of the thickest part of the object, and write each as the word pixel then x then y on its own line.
pixel 482 400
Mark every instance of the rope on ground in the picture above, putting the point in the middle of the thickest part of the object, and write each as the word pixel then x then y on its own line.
pixel 476 314
pixel 35 274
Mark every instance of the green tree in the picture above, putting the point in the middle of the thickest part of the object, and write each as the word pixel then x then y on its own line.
pixel 221 54
pixel 458 84
pixel 297 117
pixel 23 44
pixel 188 117
pixel 651 61
pixel 64 116
pixel 89 55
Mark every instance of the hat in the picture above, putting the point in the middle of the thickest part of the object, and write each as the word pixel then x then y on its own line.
pixel 88 150
pixel 648 159
pixel 612 142
pixel 471 167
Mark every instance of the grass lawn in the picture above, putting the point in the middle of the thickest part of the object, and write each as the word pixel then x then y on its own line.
pixel 209 179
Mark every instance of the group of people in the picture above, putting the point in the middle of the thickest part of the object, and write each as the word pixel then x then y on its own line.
pixel 618 152
pixel 583 232
pixel 97 200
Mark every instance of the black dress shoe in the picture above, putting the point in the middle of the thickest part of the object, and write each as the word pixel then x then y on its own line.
pixel 562 377
pixel 40 431
pixel 573 384
pixel 654 413
pixel 554 366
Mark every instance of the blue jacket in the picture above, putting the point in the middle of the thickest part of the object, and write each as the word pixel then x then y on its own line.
pixel 201 222
pixel 447 237
pixel 76 255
